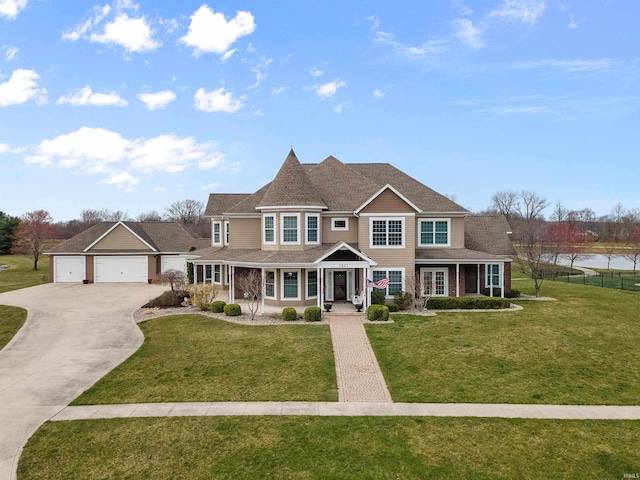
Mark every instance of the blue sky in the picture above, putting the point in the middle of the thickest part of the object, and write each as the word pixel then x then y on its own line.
pixel 132 105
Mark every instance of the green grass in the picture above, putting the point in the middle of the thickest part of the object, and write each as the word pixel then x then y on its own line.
pixel 332 447
pixel 21 273
pixel 607 280
pixel 578 350
pixel 11 320
pixel 187 358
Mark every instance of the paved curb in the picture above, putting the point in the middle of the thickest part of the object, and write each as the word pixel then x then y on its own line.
pixel 350 409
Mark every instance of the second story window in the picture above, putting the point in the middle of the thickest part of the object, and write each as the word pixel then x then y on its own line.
pixel 216 234
pixel 313 235
pixel 269 229
pixel 290 227
pixel 434 232
pixel 387 232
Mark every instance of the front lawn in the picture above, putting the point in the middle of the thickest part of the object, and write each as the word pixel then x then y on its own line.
pixel 20 272
pixel 11 320
pixel 332 447
pixel 581 349
pixel 191 358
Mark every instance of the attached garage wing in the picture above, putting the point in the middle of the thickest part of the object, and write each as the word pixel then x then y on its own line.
pixel 174 262
pixel 121 269
pixel 71 269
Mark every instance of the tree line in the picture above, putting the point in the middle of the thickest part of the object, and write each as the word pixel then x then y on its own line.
pixel 35 232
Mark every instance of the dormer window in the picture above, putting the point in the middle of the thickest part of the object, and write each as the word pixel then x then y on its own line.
pixel 290 228
pixel 216 233
pixel 313 229
pixel 269 229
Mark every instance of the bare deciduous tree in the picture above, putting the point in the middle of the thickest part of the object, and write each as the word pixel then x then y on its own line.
pixel 177 279
pixel 150 216
pixel 35 234
pixel 187 212
pixel 532 205
pixel 250 285
pixel 505 202
pixel 421 290
pixel 632 252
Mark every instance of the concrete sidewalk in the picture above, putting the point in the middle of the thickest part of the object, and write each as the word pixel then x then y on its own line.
pixel 73 336
pixel 351 409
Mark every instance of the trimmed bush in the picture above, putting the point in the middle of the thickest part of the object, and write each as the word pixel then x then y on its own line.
pixel 467 303
pixel 217 306
pixel 403 300
pixel 393 308
pixel 378 313
pixel 313 314
pixel 378 298
pixel 289 314
pixel 513 293
pixel 232 310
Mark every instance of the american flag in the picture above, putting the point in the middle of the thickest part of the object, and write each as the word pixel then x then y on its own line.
pixel 382 284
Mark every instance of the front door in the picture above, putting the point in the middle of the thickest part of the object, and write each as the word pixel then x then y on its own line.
pixel 339 286
pixel 434 282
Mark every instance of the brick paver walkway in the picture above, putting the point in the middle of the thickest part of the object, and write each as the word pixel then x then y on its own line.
pixel 357 370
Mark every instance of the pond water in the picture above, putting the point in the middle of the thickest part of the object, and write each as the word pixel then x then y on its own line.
pixel 600 261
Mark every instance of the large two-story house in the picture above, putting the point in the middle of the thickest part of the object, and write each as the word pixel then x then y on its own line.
pixel 321 232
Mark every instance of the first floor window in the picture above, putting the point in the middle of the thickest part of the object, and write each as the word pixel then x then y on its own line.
pixel 217 274
pixel 493 275
pixel 207 272
pixel 312 283
pixel 395 281
pixel 290 285
pixel 434 282
pixel 270 285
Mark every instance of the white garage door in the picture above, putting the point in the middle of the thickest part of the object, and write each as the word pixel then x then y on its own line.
pixel 69 269
pixel 174 262
pixel 121 269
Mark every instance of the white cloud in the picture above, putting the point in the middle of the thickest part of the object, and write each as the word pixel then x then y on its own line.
pixel 158 99
pixel 86 97
pixel 378 94
pixel 428 48
pixel 11 8
pixel 329 89
pixel 260 71
pixel 523 11
pixel 569 65
pixel 277 90
pixel 122 161
pixel 4 148
pixel 467 33
pixel 573 23
pixel 159 189
pixel 316 72
pixel 9 52
pixel 375 22
pixel 217 101
pixel 340 107
pixel 134 34
pixel 21 87
pixel 210 32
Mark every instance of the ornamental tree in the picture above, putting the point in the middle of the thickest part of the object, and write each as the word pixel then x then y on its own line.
pixel 35 234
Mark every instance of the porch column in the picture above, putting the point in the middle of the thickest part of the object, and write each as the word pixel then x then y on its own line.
pixel 489 275
pixel 366 281
pixel 195 278
pixel 264 286
pixel 457 279
pixel 231 284
pixel 501 267
pixel 319 292
pixel 478 281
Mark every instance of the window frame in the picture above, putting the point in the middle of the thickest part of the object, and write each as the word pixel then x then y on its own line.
pixel 487 274
pixel 282 228
pixel 216 232
pixel 266 284
pixel 334 228
pixel 217 273
pixel 307 283
pixel 434 220
pixel 317 229
pixel 386 273
pixel 387 233
pixel 208 271
pixel 273 229
pixel 283 272
pixel 226 232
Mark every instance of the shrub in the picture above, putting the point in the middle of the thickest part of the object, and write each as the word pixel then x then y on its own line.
pixel 289 314
pixel 378 298
pixel 467 303
pixel 513 293
pixel 217 306
pixel 167 299
pixel 313 314
pixel 378 313
pixel 393 308
pixel 203 296
pixel 232 310
pixel 403 300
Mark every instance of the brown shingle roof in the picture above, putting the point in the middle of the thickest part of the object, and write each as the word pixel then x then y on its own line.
pixel 220 203
pixel 488 233
pixel 162 236
pixel 291 187
pixel 446 254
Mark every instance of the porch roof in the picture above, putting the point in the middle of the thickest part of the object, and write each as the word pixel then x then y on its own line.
pixel 271 257
pixel 465 255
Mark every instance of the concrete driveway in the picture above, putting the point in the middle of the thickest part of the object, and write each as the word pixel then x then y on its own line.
pixel 73 336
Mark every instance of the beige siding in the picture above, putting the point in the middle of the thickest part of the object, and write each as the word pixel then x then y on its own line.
pixel 89 266
pixel 388 202
pixel 390 257
pixel 457 232
pixel 120 239
pixel 152 269
pixel 349 236
pixel 245 233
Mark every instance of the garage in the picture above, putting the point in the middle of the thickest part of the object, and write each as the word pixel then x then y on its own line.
pixel 71 269
pixel 118 269
pixel 174 262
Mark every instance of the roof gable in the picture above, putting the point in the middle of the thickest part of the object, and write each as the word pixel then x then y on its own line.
pixel 120 237
pixel 291 187
pixel 387 200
